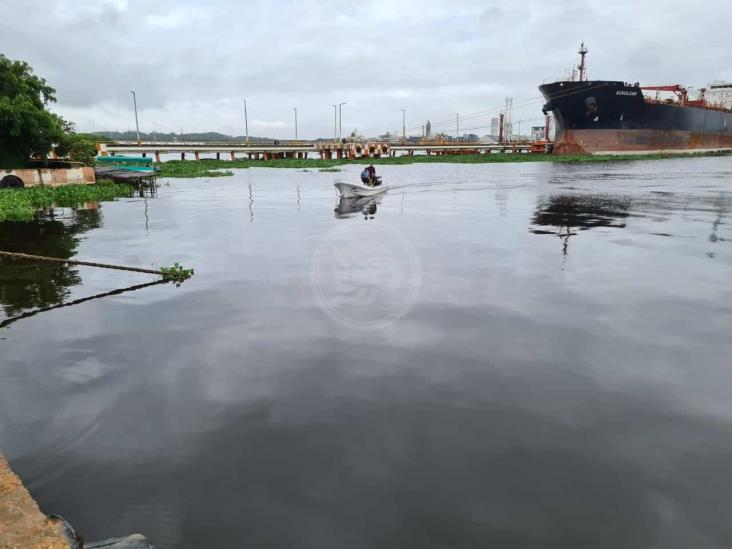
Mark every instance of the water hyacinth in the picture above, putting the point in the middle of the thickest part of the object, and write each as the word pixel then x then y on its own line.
pixel 210 167
pixel 22 204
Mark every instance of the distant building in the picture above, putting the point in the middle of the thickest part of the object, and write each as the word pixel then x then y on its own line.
pixel 537 132
pixel 428 129
pixel 494 127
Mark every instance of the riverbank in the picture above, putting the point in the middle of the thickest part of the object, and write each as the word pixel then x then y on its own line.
pixel 210 167
pixel 22 204
pixel 23 524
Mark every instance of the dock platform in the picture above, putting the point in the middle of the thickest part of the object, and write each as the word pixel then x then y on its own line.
pixel 303 149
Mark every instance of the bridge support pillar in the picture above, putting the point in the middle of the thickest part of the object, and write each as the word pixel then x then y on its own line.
pixel 144 155
pixel 157 156
pixel 233 156
pixel 197 155
pixel 182 156
pixel 218 156
pixel 339 154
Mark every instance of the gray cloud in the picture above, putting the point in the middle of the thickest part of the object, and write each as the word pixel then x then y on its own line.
pixel 192 62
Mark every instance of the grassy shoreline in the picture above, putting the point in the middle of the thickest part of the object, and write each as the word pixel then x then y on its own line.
pixel 210 167
pixel 22 204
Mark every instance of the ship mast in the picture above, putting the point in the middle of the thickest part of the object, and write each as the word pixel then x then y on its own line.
pixel 582 67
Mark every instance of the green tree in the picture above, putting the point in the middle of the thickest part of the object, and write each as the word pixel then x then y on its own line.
pixel 27 128
pixel 77 147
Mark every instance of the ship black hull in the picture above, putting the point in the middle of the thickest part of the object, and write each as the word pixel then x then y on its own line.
pixel 613 117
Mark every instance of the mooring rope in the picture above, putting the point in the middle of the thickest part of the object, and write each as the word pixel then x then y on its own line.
pixel 8 321
pixel 18 255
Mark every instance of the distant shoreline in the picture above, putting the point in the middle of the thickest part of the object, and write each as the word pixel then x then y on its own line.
pixel 210 167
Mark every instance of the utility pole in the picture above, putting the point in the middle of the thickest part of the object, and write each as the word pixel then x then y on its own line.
pixel 137 124
pixel 404 124
pixel 340 120
pixel 246 122
pixel 295 109
pixel 335 122
pixel 508 120
pixel 457 126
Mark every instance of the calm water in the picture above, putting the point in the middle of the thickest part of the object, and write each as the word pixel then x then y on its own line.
pixel 528 355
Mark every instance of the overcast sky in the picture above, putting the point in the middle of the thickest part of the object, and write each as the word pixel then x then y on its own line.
pixel 191 62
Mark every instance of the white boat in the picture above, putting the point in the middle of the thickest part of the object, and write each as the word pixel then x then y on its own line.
pixel 355 190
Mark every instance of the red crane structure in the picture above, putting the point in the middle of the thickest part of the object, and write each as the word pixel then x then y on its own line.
pixel 681 92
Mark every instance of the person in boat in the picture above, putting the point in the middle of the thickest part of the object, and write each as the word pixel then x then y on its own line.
pixel 372 176
pixel 366 176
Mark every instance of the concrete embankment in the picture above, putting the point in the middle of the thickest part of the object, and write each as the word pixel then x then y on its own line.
pixel 21 522
pixel 24 526
pixel 34 177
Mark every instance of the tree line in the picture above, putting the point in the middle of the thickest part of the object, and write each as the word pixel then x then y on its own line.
pixel 28 130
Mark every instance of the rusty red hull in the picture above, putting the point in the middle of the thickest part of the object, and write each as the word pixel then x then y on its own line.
pixel 577 141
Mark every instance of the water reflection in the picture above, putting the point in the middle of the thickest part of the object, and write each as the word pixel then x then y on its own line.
pixel 8 321
pixel 350 207
pixel 25 285
pixel 511 406
pixel 567 212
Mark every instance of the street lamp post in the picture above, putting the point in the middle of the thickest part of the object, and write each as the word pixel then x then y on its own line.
pixel 340 119
pixel 295 109
pixel 457 127
pixel 137 123
pixel 335 122
pixel 246 122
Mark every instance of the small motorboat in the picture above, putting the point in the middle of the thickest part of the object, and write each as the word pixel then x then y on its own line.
pixel 355 190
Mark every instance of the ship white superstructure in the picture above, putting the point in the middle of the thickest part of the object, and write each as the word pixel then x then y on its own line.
pixel 719 94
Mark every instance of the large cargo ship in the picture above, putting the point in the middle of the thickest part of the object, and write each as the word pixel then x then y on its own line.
pixel 603 116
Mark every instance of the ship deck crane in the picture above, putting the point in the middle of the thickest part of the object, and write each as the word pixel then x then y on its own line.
pixel 681 92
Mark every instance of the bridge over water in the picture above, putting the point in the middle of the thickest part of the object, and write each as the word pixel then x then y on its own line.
pixel 302 149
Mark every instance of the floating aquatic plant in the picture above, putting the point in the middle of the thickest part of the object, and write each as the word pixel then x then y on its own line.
pixel 21 204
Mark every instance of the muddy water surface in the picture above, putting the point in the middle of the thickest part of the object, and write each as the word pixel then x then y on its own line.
pixel 527 355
